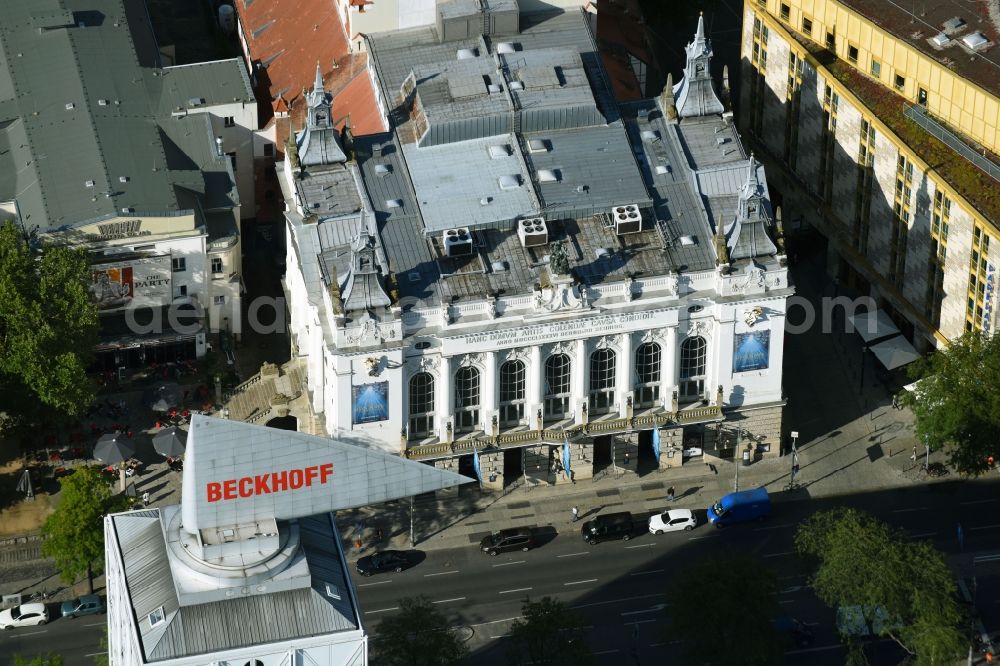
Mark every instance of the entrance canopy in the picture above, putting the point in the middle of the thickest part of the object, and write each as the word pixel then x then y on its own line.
pixel 895 352
pixel 872 325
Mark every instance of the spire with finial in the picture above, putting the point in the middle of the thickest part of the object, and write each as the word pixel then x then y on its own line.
pixel 695 95
pixel 748 233
pixel 318 83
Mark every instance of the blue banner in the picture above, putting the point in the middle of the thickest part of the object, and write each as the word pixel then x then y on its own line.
pixel 370 403
pixel 656 443
pixel 566 456
pixel 751 351
pixel 475 465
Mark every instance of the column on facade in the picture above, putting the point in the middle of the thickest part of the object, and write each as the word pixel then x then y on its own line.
pixel 488 392
pixel 580 378
pixel 444 398
pixel 670 370
pixel 623 373
pixel 536 375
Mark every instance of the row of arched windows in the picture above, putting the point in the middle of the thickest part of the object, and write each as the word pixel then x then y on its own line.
pixel 557 388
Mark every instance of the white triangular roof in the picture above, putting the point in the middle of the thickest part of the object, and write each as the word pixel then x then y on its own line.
pixel 221 455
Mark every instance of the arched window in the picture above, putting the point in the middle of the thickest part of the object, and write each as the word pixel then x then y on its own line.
pixel 421 405
pixel 602 381
pixel 693 351
pixel 466 399
pixel 512 387
pixel 647 373
pixel 557 386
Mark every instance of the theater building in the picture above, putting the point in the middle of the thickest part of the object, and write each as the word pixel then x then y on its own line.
pixel 523 262
pixel 249 569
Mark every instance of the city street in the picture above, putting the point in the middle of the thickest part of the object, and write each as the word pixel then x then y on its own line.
pixel 618 586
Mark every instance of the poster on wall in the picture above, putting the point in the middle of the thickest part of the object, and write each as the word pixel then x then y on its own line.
pixel 118 285
pixel 370 403
pixel 751 351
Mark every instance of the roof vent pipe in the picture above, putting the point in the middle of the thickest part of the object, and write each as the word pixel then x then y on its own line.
pixel 219 152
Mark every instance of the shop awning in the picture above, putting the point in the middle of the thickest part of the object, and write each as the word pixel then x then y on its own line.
pixel 895 352
pixel 873 325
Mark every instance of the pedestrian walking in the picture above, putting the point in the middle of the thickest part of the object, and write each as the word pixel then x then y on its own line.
pixel 670 494
pixel 145 498
pixel 895 401
pixel 576 514
pixel 914 456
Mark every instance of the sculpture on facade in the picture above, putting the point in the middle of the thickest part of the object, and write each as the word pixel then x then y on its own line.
pixel 558 260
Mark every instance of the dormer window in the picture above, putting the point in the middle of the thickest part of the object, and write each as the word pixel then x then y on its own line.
pixel 157 617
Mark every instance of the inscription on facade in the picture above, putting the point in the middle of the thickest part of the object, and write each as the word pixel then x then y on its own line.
pixel 579 328
pixel 123 229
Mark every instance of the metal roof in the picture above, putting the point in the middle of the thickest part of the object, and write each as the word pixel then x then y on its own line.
pixel 82 108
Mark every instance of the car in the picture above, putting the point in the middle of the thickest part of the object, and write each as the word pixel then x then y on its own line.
pixel 504 541
pixel 672 520
pixel 25 615
pixel 740 507
pixel 608 526
pixel 88 604
pixel 383 560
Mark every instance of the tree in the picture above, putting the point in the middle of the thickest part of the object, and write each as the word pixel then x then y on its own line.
pixel 74 533
pixel 550 633
pixel 736 596
pixel 957 402
pixel 47 321
pixel 418 636
pixel 864 563
pixel 48 660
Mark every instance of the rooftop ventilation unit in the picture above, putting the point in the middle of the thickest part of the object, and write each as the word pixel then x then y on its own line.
pixel 466 54
pixel 953 24
pixel 506 47
pixel 940 40
pixel 627 219
pixel 457 242
pixel 533 232
pixel 975 41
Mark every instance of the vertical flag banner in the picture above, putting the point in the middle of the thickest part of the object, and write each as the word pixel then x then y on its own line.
pixel 475 465
pixel 656 443
pixel 566 456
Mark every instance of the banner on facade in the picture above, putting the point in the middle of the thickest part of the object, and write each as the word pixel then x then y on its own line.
pixel 118 285
pixel 751 351
pixel 370 403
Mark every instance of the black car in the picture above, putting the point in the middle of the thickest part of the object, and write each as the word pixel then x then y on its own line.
pixel 384 560
pixel 504 541
pixel 607 527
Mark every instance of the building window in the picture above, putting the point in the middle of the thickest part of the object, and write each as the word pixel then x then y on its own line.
pixel 852 54
pixel 762 3
pixel 647 372
pixel 807 25
pixel 512 392
pixel 229 121
pixel 232 160
pixel 268 150
pixel 602 381
pixel 557 386
pixel 216 264
pixel 178 264
pixel 421 405
pixel 876 69
pixel 784 12
pixel 156 617
pixel 899 83
pixel 219 300
pixel 466 400
pixel 921 97
pixel 180 291
pixel 693 357
pixel 831 41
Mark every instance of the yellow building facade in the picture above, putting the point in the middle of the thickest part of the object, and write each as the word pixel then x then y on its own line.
pixel 828 97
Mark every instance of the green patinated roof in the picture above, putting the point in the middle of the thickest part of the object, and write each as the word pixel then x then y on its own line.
pixel 85 115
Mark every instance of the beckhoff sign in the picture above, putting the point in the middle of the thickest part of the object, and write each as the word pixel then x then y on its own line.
pixel 265 484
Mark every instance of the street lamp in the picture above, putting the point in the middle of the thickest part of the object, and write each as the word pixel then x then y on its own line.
pixel 795 462
pixel 864 349
pixel 927 454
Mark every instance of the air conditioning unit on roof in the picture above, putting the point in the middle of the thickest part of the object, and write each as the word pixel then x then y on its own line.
pixel 457 242
pixel 627 219
pixel 533 232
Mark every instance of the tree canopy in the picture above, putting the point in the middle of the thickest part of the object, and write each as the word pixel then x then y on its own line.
pixel 737 596
pixel 74 532
pixel 550 634
pixel 419 635
pixel 48 325
pixel 957 402
pixel 49 660
pixel 864 563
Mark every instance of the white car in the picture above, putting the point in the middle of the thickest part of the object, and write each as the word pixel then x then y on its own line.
pixel 25 615
pixel 672 520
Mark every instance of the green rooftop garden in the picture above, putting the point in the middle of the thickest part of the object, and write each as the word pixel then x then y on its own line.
pixel 978 188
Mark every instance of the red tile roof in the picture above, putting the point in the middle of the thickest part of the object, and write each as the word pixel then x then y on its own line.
pixel 287 38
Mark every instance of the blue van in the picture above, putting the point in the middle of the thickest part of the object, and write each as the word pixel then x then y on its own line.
pixel 740 507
